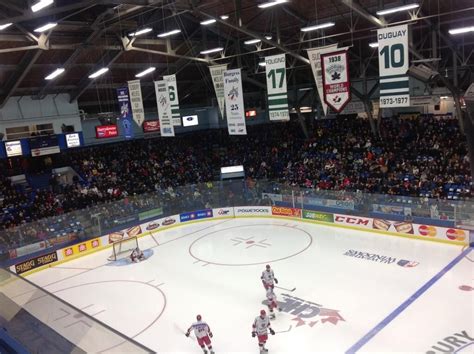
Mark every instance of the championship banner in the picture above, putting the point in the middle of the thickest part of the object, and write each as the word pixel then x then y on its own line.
pixel 136 101
pixel 275 70
pixel 173 93
pixel 217 74
pixel 393 66
pixel 337 85
pixel 125 112
pixel 314 56
pixel 164 108
pixel 234 102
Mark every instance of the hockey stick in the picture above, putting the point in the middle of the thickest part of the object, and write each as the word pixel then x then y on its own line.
pixel 279 287
pixel 180 330
pixel 289 329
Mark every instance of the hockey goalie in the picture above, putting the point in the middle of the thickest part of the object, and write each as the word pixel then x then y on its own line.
pixel 137 255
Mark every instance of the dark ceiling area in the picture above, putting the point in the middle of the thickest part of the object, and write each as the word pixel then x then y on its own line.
pixel 93 34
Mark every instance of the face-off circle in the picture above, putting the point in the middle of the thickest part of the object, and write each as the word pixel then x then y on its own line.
pixel 250 244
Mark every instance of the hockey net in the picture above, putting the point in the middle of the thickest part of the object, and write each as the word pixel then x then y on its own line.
pixel 123 248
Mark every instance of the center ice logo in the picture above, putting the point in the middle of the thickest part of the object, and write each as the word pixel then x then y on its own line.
pixel 250 242
pixel 307 312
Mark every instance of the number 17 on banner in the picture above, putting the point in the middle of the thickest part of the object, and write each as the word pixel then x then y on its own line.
pixel 275 69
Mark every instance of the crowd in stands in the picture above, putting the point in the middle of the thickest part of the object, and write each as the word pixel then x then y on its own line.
pixel 424 157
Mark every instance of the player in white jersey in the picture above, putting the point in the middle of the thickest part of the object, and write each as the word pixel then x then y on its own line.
pixel 203 333
pixel 268 278
pixel 260 328
pixel 272 302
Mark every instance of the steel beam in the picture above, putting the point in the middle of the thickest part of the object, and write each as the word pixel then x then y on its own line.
pixel 17 77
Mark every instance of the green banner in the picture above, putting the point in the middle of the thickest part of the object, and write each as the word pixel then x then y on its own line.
pixel 150 214
pixel 316 215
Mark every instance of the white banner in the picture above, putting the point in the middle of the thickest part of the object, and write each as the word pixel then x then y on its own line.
pixel 234 102
pixel 174 100
pixel 314 56
pixel 393 66
pixel 217 74
pixel 337 85
pixel 275 70
pixel 164 108
pixel 252 211
pixel 136 101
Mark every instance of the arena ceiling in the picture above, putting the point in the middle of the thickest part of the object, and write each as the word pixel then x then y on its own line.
pixel 94 34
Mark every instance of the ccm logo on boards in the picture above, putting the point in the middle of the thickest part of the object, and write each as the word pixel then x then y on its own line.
pixel 351 220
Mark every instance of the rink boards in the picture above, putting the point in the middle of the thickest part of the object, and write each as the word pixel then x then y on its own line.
pixel 405 229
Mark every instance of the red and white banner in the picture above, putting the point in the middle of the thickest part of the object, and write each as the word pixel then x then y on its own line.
pixel 337 85
pixel 151 126
pixel 106 131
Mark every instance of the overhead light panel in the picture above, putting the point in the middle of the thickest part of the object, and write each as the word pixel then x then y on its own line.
pixel 262 63
pixel 252 41
pixel 271 3
pixel 224 17
pixel 374 44
pixel 169 33
pixel 208 22
pixel 41 5
pixel 461 30
pixel 55 74
pixel 268 37
pixel 397 9
pixel 142 31
pixel 213 50
pixel 98 73
pixel 147 71
pixel 46 27
pixel 317 27
pixel 2 27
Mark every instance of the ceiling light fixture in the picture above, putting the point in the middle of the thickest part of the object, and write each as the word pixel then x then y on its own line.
pixel 397 9
pixel 317 27
pixel 224 17
pixel 461 30
pixel 170 33
pixel 374 44
pixel 140 32
pixel 262 63
pixel 208 22
pixel 268 37
pixel 213 50
pixel 271 3
pixel 147 71
pixel 41 5
pixel 252 41
pixel 2 27
pixel 98 73
pixel 55 74
pixel 46 27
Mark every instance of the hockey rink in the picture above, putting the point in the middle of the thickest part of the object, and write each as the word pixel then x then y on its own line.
pixel 355 291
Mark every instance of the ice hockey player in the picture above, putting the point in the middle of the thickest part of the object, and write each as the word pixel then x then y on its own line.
pixel 260 328
pixel 272 303
pixel 268 278
pixel 137 255
pixel 203 333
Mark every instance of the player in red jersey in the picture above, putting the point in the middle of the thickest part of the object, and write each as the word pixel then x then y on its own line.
pixel 203 333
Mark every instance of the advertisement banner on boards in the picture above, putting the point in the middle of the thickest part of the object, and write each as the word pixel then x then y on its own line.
pixel 275 70
pixel 125 112
pixel 336 81
pixel 136 101
pixel 234 102
pixel 393 66
pixel 196 215
pixel 217 74
pixel 314 55
pixel 36 262
pixel 164 108
pixel 82 248
pixel 174 100
pixel 316 215
pixel 252 211
pixel 284 211
pixel 223 212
